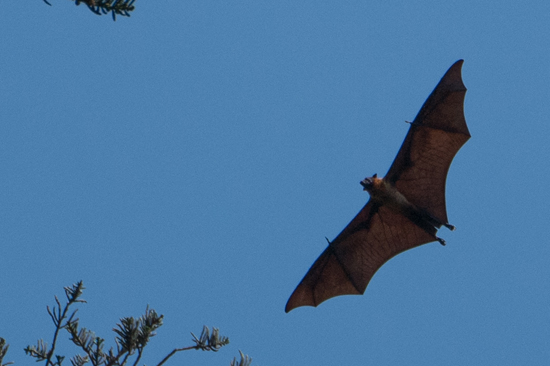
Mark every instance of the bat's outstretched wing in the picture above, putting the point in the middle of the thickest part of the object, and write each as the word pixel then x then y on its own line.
pixel 378 233
pixel 374 236
pixel 419 170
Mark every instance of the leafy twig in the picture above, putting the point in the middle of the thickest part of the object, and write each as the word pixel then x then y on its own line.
pixel 210 343
pixel 86 340
pixel 245 360
pixel 3 350
pixel 115 7
pixel 133 336
pixel 100 7
pixel 205 342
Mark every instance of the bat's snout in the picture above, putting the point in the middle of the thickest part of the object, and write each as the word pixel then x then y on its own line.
pixel 367 183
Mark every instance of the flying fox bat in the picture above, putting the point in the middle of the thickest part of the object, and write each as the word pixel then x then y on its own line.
pixel 406 207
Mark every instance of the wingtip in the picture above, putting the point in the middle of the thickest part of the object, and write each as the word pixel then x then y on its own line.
pixel 458 64
pixel 455 68
pixel 288 306
pixel 297 299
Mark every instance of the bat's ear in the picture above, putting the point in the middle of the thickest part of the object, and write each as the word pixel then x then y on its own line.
pixel 375 175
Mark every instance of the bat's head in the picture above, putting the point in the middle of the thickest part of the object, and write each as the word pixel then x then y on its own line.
pixel 367 183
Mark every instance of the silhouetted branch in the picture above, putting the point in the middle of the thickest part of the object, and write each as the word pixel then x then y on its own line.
pixel 40 351
pixel 100 7
pixel 132 336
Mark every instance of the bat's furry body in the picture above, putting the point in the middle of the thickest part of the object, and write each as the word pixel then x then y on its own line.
pixel 383 193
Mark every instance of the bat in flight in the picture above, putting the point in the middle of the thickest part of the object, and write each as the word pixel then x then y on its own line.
pixel 406 207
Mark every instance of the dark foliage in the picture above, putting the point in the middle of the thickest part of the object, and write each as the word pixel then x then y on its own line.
pixel 100 7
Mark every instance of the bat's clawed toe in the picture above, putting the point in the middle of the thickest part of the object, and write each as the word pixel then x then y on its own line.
pixel 441 241
pixel 450 227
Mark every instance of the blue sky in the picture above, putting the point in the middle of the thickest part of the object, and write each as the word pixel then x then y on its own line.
pixel 194 156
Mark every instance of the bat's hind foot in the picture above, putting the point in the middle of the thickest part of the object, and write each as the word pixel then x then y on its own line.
pixel 450 227
pixel 441 241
